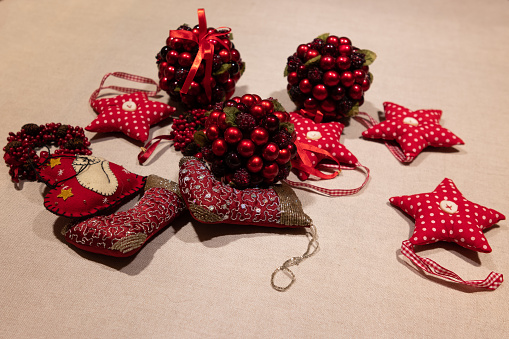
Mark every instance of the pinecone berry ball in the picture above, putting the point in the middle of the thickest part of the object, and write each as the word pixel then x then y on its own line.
pixel 329 75
pixel 206 84
pixel 248 142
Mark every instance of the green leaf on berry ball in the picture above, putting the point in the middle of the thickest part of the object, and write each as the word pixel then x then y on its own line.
pixel 230 36
pixel 323 37
pixel 286 71
pixel 313 61
pixel 368 55
pixel 288 126
pixel 231 114
pixel 200 138
pixel 370 76
pixel 242 68
pixel 277 106
pixel 224 67
pixel 177 89
pixel 353 111
pixel 207 113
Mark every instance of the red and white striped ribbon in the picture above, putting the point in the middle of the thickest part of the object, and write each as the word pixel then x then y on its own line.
pixel 491 282
pixel 125 76
pixel 392 146
pixel 338 192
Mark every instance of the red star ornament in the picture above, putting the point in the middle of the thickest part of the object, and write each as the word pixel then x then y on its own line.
pixel 445 215
pixel 324 136
pixel 131 114
pixel 413 130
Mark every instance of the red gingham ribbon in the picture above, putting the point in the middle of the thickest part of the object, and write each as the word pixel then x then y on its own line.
pixel 126 76
pixel 394 149
pixel 491 282
pixel 333 192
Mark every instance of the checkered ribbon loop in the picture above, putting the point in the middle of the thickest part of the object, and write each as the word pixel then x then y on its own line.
pixel 129 77
pixel 429 266
pixel 337 192
pixel 369 122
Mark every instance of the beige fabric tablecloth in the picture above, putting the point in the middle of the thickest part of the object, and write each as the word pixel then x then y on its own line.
pixel 196 280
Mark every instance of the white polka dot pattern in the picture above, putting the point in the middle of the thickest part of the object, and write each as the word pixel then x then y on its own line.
pixel 464 227
pixel 330 134
pixel 412 130
pixel 133 123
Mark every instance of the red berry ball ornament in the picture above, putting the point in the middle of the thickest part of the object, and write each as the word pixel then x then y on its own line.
pixel 247 141
pixel 175 65
pixel 329 75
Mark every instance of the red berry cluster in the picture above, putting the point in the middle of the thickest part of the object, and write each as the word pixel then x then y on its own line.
pixel 330 75
pixel 184 126
pixel 176 58
pixel 248 142
pixel 20 151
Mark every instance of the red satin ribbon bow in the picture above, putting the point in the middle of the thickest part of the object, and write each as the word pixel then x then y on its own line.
pixel 205 51
pixel 307 166
pixel 316 115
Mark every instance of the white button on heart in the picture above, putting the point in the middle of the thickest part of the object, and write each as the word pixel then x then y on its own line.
pixel 411 121
pixel 448 206
pixel 129 106
pixel 313 135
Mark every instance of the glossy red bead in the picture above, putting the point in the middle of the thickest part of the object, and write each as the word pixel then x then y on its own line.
pixel 232 135
pixel 320 92
pixel 246 148
pixel 305 86
pixel 270 152
pixel 254 164
pixel 284 156
pixel 355 92
pixel 327 62
pixel 260 136
pixel 331 78
pixel 270 170
pixel 219 147
pixel 347 78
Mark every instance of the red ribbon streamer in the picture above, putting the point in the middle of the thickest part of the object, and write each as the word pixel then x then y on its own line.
pixel 316 115
pixel 307 166
pixel 205 51
pixel 150 147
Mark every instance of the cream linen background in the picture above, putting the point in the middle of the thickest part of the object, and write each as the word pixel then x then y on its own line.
pixel 194 280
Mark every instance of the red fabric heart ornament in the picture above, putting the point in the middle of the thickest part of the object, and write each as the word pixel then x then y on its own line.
pixel 84 185
pixel 123 233
pixel 210 201
pixel 445 215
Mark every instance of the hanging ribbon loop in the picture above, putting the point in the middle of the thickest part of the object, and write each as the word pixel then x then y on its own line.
pixel 125 76
pixel 205 51
pixel 492 281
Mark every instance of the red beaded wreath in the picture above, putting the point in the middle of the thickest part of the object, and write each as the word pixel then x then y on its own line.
pixel 20 151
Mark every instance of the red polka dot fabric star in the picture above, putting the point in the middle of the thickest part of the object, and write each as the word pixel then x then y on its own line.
pixel 445 215
pixel 412 130
pixel 324 136
pixel 131 114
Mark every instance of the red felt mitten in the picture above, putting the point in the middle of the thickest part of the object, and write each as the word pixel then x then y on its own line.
pixel 84 185
pixel 211 201
pixel 445 215
pixel 123 234
pixel 412 130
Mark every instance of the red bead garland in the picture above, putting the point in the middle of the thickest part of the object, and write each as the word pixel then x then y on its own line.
pixel 20 151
